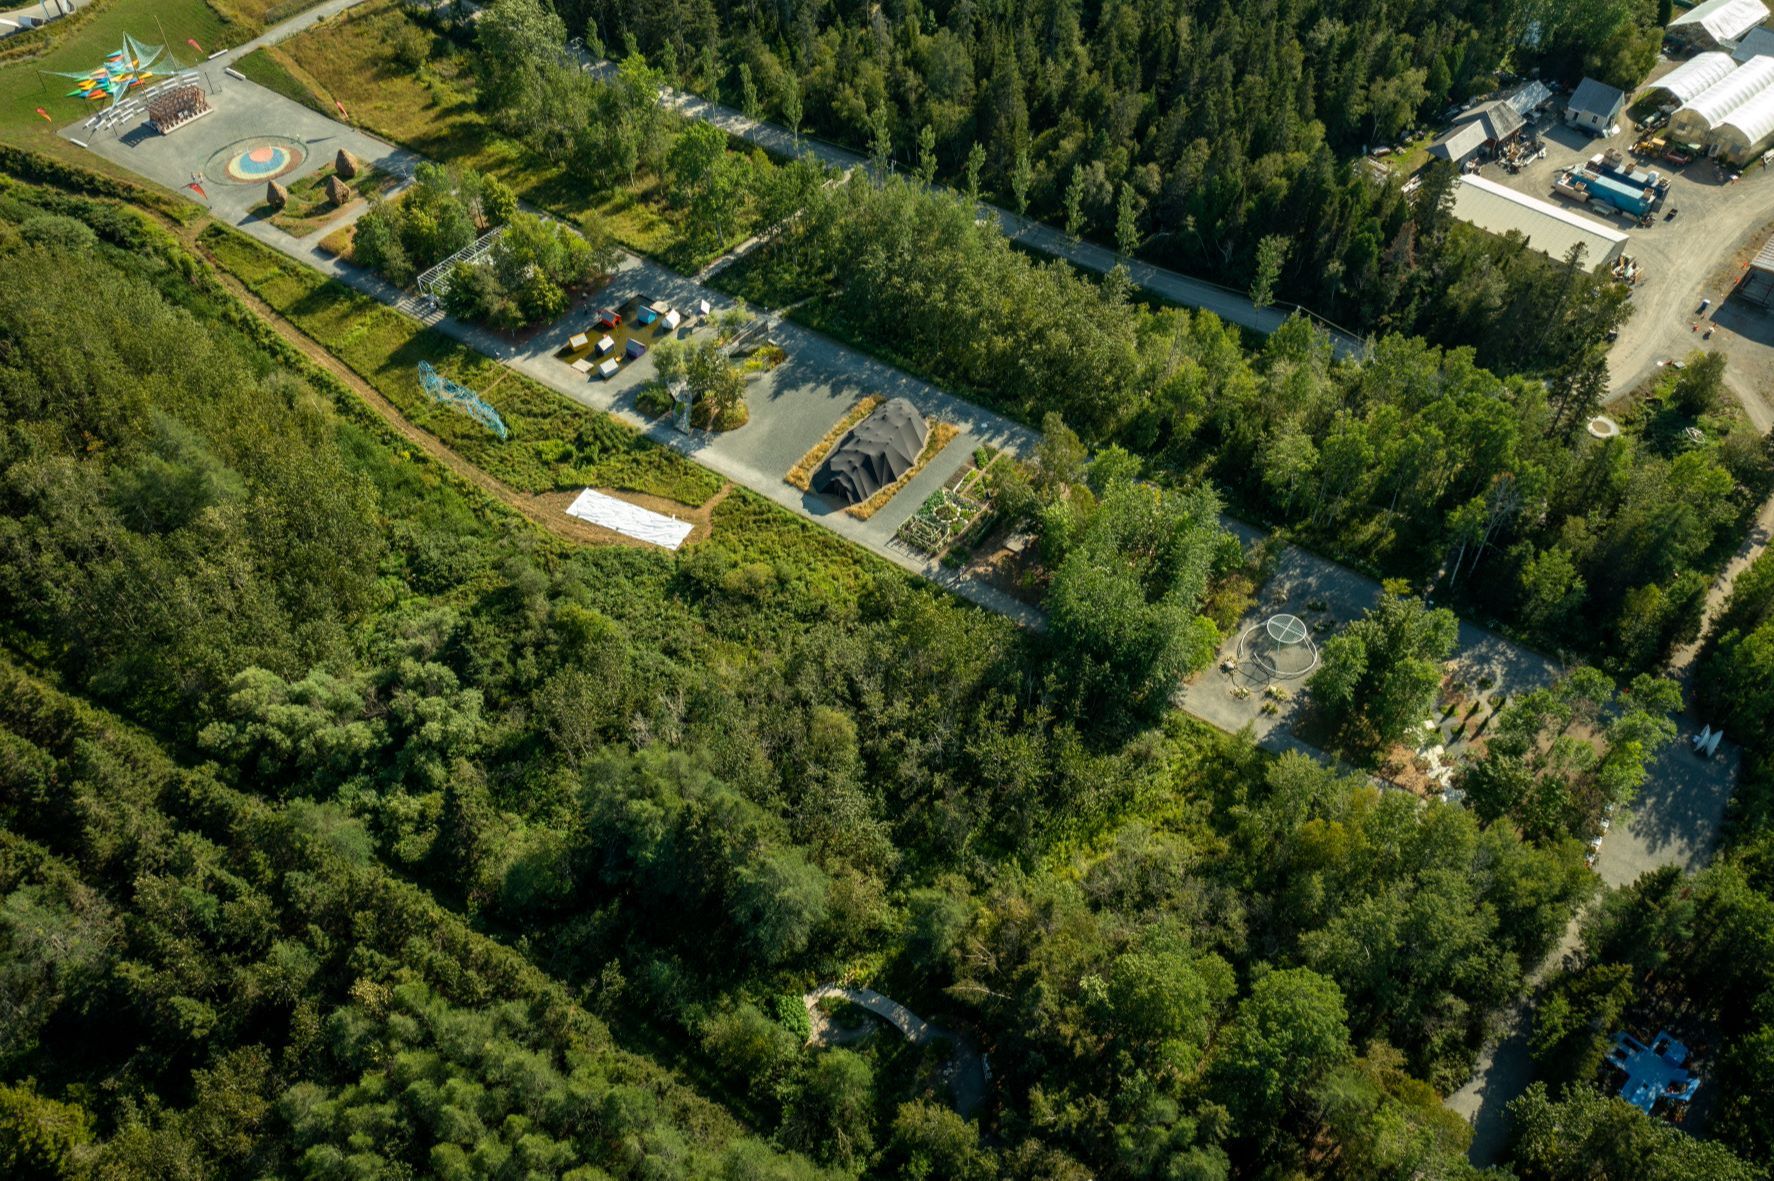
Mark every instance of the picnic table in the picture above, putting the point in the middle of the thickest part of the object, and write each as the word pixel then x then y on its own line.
pixel 582 365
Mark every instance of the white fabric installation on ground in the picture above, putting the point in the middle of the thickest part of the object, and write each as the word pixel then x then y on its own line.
pixel 630 520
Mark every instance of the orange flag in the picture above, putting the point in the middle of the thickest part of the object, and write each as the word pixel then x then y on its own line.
pixel 192 42
pixel 341 106
pixel 45 115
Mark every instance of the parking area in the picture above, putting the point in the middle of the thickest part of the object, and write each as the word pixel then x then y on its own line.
pixel 1720 219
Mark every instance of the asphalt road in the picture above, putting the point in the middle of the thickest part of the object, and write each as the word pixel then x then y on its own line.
pixel 16 20
pixel 1169 285
pixel 289 28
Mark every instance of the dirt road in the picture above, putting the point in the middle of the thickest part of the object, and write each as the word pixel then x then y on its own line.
pixel 547 509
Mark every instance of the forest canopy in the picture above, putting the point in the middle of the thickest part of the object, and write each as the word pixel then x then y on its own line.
pixel 475 809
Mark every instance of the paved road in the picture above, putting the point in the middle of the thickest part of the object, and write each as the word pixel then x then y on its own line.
pixel 966 1070
pixel 289 28
pixel 27 16
pixel 1169 285
pixel 30 16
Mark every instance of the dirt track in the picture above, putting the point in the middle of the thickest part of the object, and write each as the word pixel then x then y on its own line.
pixel 546 509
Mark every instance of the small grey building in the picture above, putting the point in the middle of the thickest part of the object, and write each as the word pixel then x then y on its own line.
pixel 1459 145
pixel 1594 106
pixel 1499 121
pixel 1757 283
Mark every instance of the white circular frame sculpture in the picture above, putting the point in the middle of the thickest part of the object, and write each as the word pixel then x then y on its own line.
pixel 1281 647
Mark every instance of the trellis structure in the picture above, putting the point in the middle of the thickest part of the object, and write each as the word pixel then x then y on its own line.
pixel 173 108
pixel 128 111
pixel 435 283
pixel 442 389
pixel 951 513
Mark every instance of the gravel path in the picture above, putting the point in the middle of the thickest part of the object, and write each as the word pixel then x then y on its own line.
pixel 966 1070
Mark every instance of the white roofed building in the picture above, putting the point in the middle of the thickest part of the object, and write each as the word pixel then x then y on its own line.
pixel 1717 23
pixel 1696 118
pixel 1551 229
pixel 1747 130
pixel 1692 77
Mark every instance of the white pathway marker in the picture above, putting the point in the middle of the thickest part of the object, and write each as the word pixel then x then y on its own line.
pixel 630 520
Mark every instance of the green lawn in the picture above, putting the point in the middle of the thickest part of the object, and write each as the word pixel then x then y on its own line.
pixel 82 44
pixel 758 549
pixel 349 60
pixel 554 443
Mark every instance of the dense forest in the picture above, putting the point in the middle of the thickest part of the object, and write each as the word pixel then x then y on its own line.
pixel 1692 953
pixel 352 827
pixel 654 795
pixel 1203 135
pixel 1418 463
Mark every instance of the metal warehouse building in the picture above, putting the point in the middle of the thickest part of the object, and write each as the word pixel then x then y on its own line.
pixel 1551 229
pixel 1717 23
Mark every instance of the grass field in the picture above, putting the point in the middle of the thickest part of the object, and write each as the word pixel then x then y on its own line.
pixel 310 209
pixel 350 60
pixel 271 70
pixel 82 44
pixel 259 14
pixel 757 548
pixel 554 444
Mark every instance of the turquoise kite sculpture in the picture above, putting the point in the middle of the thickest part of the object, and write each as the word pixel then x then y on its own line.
pixel 122 70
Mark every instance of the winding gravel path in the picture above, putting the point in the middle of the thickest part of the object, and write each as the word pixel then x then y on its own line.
pixel 966 1069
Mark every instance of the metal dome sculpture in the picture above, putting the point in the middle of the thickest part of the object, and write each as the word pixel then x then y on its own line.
pixel 1281 647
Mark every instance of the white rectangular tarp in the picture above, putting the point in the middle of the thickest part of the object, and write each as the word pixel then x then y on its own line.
pixel 630 520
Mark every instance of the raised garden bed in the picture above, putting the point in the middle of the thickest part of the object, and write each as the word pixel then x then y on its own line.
pixel 958 510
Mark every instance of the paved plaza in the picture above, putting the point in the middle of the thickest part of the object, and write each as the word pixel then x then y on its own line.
pixel 243 116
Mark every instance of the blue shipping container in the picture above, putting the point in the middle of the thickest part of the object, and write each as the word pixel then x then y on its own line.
pixel 1620 195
